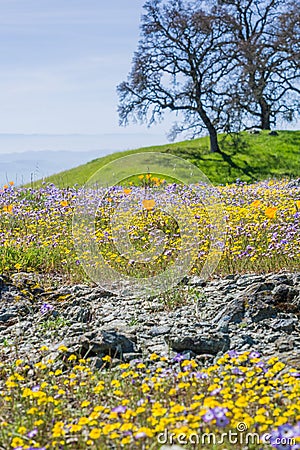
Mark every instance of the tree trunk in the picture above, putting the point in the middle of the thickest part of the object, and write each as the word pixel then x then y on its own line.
pixel 213 136
pixel 265 117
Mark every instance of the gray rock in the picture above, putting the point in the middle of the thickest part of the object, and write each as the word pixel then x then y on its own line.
pixel 254 131
pixel 160 330
pixel 79 314
pixel 199 344
pixel 196 281
pixel 281 293
pixel 256 288
pixel 247 280
pixel 283 344
pixel 272 337
pixel 260 311
pixel 127 357
pixel 97 362
pixel 6 316
pixel 287 325
pixel 230 277
pixel 111 341
pixel 250 311
pixel 278 278
pixel 233 312
pixel 109 318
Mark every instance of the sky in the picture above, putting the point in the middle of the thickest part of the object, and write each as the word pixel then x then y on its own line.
pixel 60 63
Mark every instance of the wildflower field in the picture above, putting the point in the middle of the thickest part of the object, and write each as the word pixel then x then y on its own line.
pixel 133 406
pixel 261 232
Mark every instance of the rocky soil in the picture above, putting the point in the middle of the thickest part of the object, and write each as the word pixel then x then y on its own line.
pixel 199 319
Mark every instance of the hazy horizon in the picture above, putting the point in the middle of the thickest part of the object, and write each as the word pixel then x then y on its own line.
pixel 23 167
pixel 24 157
pixel 21 142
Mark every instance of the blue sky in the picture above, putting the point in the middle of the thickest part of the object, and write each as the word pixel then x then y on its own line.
pixel 60 63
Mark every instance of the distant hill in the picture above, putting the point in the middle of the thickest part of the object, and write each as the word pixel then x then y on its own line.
pixel 246 156
pixel 24 167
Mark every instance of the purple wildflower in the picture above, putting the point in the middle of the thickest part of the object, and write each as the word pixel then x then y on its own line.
pixel 201 375
pixel 36 388
pixel 254 354
pixel 286 430
pixel 140 435
pixel 215 391
pixel 208 416
pixel 46 307
pixel 32 433
pixel 119 409
pixel 178 358
pixel 297 430
pixel 219 414
pixel 237 371
pixel 280 438
pixel 222 422
pixel 295 374
pixel 37 448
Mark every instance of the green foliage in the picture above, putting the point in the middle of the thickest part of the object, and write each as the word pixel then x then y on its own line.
pixel 54 323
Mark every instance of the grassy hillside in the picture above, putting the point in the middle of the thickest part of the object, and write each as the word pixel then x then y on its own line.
pixel 247 157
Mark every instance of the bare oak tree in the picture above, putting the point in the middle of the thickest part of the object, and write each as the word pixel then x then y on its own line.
pixel 181 65
pixel 216 63
pixel 266 41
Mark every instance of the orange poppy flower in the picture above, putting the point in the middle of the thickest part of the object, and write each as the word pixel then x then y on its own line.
pixel 8 208
pixel 271 212
pixel 148 204
pixel 126 191
pixel 256 203
pixel 64 203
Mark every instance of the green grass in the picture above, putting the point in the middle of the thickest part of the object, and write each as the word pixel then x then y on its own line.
pixel 247 157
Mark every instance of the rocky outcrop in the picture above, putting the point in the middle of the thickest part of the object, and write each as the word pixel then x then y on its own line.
pixel 238 312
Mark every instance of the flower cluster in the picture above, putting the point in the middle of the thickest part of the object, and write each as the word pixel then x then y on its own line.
pixel 262 227
pixel 131 405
